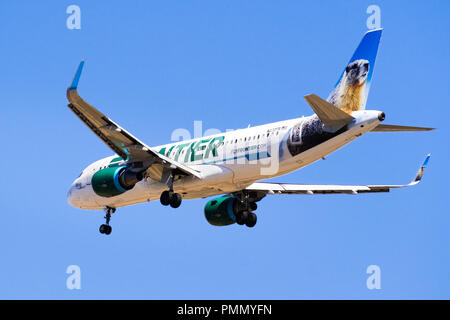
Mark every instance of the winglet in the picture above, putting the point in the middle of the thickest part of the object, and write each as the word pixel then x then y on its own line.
pixel 77 75
pixel 419 174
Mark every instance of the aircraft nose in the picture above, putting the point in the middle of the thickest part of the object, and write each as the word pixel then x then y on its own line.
pixel 72 197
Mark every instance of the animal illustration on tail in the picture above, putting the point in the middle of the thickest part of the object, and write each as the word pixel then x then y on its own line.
pixel 352 89
pixel 349 94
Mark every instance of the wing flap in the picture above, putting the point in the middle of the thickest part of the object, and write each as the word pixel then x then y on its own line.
pixel 308 189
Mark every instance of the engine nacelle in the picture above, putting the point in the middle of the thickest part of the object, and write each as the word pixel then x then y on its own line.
pixel 112 181
pixel 221 211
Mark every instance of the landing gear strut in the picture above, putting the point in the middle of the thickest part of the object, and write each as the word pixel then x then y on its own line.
pixel 169 197
pixel 106 228
pixel 246 215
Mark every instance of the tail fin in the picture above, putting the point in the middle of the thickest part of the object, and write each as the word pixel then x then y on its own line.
pixel 351 90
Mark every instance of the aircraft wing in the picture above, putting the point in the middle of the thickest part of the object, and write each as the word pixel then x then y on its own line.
pixel 117 138
pixel 264 188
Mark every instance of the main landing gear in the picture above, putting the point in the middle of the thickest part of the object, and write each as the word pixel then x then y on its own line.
pixel 169 197
pixel 106 228
pixel 246 216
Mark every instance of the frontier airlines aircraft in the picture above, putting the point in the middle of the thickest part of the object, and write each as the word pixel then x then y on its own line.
pixel 230 165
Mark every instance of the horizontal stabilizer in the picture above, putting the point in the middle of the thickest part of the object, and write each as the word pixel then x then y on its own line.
pixel 332 117
pixel 394 128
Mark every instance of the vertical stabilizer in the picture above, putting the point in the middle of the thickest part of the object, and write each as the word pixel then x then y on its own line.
pixel 352 89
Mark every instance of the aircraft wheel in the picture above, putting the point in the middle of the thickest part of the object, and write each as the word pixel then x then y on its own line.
pixel 241 217
pixel 105 229
pixel 253 206
pixel 251 220
pixel 165 198
pixel 175 200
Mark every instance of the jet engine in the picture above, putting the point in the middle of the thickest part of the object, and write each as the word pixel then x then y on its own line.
pixel 112 181
pixel 222 211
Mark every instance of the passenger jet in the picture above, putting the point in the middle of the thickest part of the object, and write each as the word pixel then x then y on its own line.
pixel 230 165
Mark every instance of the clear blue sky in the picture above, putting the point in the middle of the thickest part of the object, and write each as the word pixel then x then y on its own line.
pixel 157 66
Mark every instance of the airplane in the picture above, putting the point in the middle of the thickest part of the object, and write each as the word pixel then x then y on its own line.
pixel 231 165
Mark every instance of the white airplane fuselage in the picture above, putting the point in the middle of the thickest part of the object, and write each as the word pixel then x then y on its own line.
pixel 240 158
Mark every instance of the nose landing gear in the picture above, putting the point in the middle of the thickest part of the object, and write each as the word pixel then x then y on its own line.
pixel 106 228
